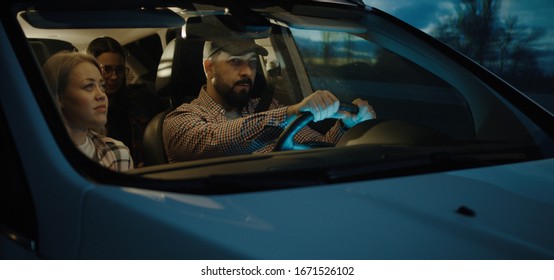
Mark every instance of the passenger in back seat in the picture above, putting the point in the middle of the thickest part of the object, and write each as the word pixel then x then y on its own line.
pixel 130 110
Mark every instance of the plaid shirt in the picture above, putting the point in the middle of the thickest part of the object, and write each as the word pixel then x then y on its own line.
pixel 200 130
pixel 111 153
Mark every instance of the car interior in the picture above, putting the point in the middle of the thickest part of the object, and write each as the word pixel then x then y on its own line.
pixel 168 46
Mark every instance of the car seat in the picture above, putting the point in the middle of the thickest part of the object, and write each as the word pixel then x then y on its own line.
pixel 180 76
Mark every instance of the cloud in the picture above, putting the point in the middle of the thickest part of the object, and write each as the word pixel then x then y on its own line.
pixel 426 14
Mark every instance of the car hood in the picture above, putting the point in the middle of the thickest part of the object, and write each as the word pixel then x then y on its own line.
pixel 500 212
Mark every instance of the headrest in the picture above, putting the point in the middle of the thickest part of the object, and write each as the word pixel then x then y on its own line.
pixel 180 72
pixel 41 51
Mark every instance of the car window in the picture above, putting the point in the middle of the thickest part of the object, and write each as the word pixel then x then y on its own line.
pixel 398 88
pixel 511 38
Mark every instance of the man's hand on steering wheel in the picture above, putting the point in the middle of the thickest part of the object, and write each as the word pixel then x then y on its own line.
pixel 318 106
pixel 365 112
pixel 322 104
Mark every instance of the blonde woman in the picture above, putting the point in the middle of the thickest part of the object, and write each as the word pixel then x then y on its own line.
pixel 78 88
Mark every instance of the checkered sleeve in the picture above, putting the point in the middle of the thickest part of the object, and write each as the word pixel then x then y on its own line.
pixel 193 132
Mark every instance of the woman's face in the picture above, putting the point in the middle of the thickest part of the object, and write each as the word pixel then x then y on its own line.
pixel 83 102
pixel 113 71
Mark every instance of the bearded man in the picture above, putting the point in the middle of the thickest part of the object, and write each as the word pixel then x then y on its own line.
pixel 222 120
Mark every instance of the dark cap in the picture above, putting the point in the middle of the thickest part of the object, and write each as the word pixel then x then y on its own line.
pixel 233 47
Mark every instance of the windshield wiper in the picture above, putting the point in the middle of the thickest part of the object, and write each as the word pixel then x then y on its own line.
pixel 485 158
pixel 387 165
pixel 403 165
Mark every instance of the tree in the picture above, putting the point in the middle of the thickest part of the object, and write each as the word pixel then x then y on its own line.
pixel 502 45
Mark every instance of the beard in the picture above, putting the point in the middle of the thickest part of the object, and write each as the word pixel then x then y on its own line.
pixel 233 98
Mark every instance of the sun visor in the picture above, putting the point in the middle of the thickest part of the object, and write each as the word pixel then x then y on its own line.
pixel 210 27
pixel 139 18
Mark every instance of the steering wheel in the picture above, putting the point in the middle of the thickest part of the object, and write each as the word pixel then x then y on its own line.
pixel 286 142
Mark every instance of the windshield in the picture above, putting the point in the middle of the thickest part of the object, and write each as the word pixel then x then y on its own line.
pixel 513 39
pixel 426 109
pixel 352 67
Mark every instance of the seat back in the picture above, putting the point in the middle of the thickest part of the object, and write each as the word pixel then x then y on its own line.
pixel 153 147
pixel 180 72
pixel 180 76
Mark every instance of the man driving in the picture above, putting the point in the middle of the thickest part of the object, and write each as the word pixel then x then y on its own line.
pixel 222 120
